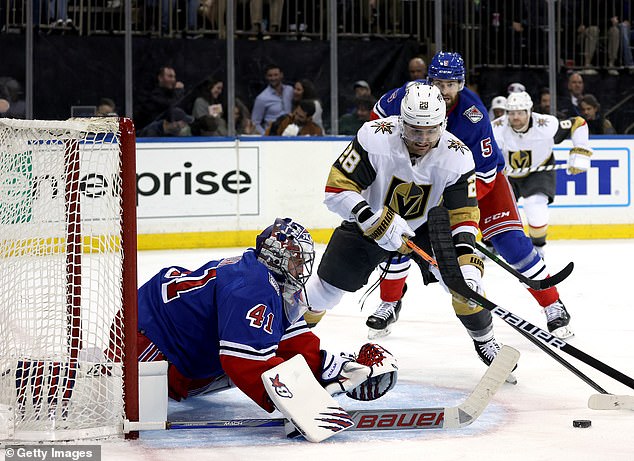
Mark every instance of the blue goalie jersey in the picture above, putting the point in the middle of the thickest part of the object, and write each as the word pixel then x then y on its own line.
pixel 230 307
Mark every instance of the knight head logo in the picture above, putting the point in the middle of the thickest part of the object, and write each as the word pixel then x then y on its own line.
pixel 280 387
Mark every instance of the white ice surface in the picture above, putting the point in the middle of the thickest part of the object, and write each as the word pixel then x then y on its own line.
pixel 438 366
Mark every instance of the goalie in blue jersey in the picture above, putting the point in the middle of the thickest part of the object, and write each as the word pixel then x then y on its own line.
pixel 233 319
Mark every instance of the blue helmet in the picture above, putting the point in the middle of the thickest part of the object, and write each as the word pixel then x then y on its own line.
pixel 446 66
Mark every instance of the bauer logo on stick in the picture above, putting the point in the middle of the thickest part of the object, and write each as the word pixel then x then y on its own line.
pixel 280 387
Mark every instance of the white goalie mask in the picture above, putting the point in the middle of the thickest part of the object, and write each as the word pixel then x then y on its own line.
pixel 423 114
pixel 288 251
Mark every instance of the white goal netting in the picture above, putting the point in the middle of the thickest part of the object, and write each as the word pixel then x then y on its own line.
pixel 61 262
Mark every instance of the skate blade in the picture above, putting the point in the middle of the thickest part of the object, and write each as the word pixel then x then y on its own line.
pixel 562 332
pixel 375 334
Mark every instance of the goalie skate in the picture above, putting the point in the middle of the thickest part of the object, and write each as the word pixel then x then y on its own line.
pixel 380 323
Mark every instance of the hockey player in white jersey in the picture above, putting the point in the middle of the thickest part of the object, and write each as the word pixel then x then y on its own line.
pixel 383 185
pixel 526 140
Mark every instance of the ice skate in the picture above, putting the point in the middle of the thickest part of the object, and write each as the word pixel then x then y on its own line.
pixel 557 320
pixel 381 321
pixel 487 350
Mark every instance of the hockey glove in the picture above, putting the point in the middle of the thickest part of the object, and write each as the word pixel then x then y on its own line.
pixel 578 160
pixel 385 227
pixel 472 269
pixel 367 377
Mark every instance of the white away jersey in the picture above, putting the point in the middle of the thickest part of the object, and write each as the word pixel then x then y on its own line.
pixel 377 166
pixel 534 147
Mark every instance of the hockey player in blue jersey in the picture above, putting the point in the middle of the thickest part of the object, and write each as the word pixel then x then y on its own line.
pixel 500 222
pixel 229 321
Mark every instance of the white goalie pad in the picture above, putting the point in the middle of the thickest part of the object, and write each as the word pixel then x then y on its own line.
pixel 300 398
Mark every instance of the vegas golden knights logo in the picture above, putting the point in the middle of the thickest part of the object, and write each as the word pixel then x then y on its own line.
pixel 407 199
pixel 520 159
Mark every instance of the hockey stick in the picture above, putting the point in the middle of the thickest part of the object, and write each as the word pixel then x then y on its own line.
pixel 534 169
pixel 442 243
pixel 456 417
pixel 534 284
pixel 611 402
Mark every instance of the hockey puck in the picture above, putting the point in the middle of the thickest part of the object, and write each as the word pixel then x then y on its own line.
pixel 581 423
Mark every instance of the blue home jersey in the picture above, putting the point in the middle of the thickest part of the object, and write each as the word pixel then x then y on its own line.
pixel 232 306
pixel 468 120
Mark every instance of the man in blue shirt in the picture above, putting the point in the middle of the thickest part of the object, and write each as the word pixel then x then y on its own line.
pixel 275 100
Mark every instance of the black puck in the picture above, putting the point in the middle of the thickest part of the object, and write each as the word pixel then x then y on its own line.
pixel 581 423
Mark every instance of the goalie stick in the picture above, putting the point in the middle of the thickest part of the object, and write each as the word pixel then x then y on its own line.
pixel 456 417
pixel 534 284
pixel 611 402
pixel 444 250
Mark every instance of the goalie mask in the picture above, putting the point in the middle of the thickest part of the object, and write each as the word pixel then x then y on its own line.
pixel 287 250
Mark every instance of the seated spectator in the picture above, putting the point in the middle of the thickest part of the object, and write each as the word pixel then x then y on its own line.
pixel 174 123
pixel 590 110
pixel 498 107
pixel 417 68
pixel 272 102
pixel 569 105
pixel 209 125
pixel 361 88
pixel 208 108
pixel 305 89
pixel 349 124
pixel 167 92
pixel 11 92
pixel 106 108
pixel 543 107
pixel 244 124
pixel 4 106
pixel 297 123
pixel 515 88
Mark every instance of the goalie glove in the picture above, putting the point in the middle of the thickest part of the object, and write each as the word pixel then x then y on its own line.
pixel 578 160
pixel 472 269
pixel 368 376
pixel 385 227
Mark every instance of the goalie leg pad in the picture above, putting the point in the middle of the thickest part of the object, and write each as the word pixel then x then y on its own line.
pixel 296 393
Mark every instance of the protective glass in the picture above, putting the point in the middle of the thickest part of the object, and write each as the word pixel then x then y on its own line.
pixel 421 134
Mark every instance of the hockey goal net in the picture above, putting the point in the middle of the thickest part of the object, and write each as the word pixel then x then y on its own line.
pixel 67 270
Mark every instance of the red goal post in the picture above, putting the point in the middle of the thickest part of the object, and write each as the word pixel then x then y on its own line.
pixel 67 270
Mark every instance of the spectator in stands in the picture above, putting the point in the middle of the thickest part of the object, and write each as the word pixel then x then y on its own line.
pixel 275 16
pixel 275 100
pixel 175 123
pixel 498 107
pixel 106 108
pixel 305 89
pixel 58 13
pixel 349 124
pixel 596 14
pixel 208 109
pixel 11 91
pixel 244 124
pixel 515 87
pixel 417 68
pixel 620 32
pixel 543 107
pixel 569 106
pixel 590 110
pixel 4 106
pixel 297 123
pixel 166 94
pixel 361 88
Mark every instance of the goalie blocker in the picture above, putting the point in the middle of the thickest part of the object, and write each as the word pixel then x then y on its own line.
pixel 308 404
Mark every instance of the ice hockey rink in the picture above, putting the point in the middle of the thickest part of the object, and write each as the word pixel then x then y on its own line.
pixel 439 367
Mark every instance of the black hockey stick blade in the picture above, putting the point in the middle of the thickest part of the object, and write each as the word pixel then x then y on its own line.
pixel 534 284
pixel 442 243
